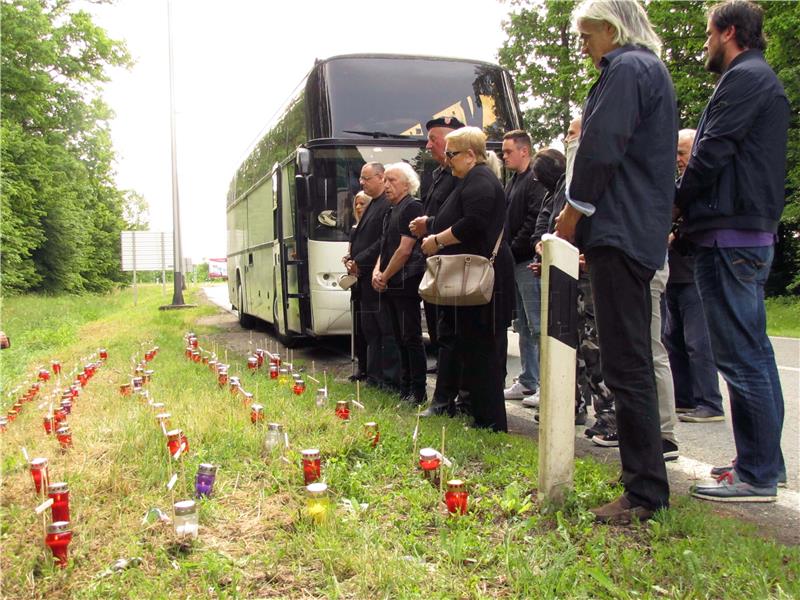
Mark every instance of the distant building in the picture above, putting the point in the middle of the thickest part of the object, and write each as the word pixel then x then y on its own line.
pixel 218 268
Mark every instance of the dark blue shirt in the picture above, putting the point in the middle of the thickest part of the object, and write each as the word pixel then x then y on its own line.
pixel 625 164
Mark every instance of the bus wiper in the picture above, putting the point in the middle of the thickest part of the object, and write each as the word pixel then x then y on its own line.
pixel 378 134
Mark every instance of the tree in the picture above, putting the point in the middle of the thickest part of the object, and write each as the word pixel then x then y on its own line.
pixel 136 211
pixel 61 213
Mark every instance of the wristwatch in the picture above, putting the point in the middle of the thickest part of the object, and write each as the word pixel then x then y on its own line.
pixel 439 245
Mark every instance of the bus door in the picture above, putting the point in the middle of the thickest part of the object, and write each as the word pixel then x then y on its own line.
pixel 293 312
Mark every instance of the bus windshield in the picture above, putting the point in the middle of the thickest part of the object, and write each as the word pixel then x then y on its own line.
pixel 335 184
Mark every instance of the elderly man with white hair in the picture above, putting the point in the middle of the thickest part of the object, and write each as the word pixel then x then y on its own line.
pixel 618 211
pixel 397 274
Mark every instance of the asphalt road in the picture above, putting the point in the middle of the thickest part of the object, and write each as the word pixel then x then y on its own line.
pixel 701 444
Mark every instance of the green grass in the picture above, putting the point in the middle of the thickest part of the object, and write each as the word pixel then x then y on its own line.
pixel 254 539
pixel 783 316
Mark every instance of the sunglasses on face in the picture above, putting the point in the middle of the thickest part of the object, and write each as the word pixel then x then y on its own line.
pixel 451 153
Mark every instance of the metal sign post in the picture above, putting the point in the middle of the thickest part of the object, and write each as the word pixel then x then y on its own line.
pixel 559 341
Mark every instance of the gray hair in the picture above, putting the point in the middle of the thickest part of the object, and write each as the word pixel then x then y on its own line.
pixel 627 17
pixel 408 173
pixel 687 134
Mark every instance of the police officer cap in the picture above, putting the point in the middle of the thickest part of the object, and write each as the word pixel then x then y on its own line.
pixel 451 122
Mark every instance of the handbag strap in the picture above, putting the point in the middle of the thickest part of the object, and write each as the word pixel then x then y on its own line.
pixel 496 246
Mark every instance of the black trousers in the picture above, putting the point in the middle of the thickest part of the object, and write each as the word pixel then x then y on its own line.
pixel 383 357
pixel 472 358
pixel 359 340
pixel 407 326
pixel 621 288
pixel 431 318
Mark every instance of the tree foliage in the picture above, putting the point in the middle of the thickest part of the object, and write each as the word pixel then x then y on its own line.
pixel 552 80
pixel 61 212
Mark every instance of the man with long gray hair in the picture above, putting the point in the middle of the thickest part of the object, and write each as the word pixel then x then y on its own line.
pixel 618 209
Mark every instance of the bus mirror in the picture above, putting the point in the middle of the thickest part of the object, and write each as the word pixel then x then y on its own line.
pixel 303 187
pixel 303 161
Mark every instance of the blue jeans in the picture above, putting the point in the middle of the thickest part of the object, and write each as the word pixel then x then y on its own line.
pixel 527 324
pixel 689 348
pixel 731 284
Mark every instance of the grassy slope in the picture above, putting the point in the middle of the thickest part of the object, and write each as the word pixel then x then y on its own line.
pixel 783 316
pixel 253 540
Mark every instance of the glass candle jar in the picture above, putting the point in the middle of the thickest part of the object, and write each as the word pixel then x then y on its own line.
pixel 162 419
pixel 103 353
pixel 137 382
pixel 194 342
pixel 175 438
pixel 299 387
pixel 56 366
pixel 58 538
pixel 222 376
pixel 186 523
pixel 260 354
pixel 456 497
pixel 256 414
pixel 158 407
pixel 125 389
pixel 3 424
pixel 283 376
pixel 273 371
pixel 312 466
pixel 275 359
pixel 212 364
pixel 322 397
pixel 343 409
pixel 83 379
pixel 76 391
pixel 44 375
pixel 274 437
pixel 247 398
pixel 59 416
pixel 148 375
pixel 252 363
pixel 139 370
pixel 372 433
pixel 429 462
pixel 187 352
pixel 64 435
pixel 39 473
pixel 148 356
pixel 47 422
pixel 204 481
pixel 66 406
pixel 205 358
pixel 59 493
pixel 12 414
pixel 234 385
pixel 317 504
pixel 196 355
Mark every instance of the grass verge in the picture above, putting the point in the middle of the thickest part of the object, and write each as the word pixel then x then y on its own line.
pixel 783 316
pixel 254 541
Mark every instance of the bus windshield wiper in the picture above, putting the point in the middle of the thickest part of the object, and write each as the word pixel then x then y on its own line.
pixel 378 134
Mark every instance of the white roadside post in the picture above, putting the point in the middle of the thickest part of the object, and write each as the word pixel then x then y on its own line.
pixel 558 343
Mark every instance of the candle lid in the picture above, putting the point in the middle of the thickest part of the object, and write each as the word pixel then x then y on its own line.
pixel 207 468
pixel 66 401
pixel 58 527
pixel 158 405
pixel 137 380
pixel 256 407
pixel 252 359
pixel 63 430
pixel 38 463
pixel 3 420
pixel 234 380
pixel 174 433
pixel 149 372
pixel 455 485
pixel 163 416
pixel 342 403
pixel 317 489
pixel 310 453
pixel 185 507
pixel 300 381
pixel 59 487
pixel 275 427
pixel 428 453
pixel 370 425
pixel 284 370
pixel 249 395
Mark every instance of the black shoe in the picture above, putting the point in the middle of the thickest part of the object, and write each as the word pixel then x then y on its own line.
pixel 432 370
pixel 701 414
pixel 670 450
pixel 580 417
pixel 357 377
pixel 433 411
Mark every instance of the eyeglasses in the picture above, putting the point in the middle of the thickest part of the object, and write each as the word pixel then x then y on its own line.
pixel 362 179
pixel 450 154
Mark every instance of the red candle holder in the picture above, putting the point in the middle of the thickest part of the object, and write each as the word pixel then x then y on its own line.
pixel 256 414
pixel 149 355
pixel 66 406
pixel 372 433
pixel 39 473
pixel 193 342
pixel 58 538
pixel 18 406
pixel 196 356
pixel 275 359
pixel 429 462
pixel 59 416
pixel 456 497
pixel 3 424
pixel 204 359
pixel 75 390
pixel 59 493
pixel 234 385
pixel 252 363
pixel 299 387
pixel 56 366
pixel 12 414
pixel 175 438
pixel 274 371
pixel 64 435
pixel 222 377
pixel 125 389
pixel 187 352
pixel 343 410
pixel 44 375
pixel 83 379
pixel 312 466
pixel 47 423
pixel 247 398
pixel 260 356
pixel 103 354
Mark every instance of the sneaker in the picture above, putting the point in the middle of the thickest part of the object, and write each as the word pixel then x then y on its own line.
pixel 580 417
pixel 608 440
pixel 717 472
pixel 729 488
pixel 531 401
pixel 604 422
pixel 621 512
pixel 701 414
pixel 517 392
pixel 684 409
pixel 670 450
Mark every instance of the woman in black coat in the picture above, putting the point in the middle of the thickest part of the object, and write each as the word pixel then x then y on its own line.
pixel 470 222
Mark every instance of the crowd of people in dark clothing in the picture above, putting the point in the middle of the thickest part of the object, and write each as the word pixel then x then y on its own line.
pixel 675 232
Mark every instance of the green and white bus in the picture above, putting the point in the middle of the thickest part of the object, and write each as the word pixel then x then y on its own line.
pixel 289 206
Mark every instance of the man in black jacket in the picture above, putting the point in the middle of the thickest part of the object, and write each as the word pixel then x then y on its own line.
pixel 731 197
pixel 383 357
pixel 619 212
pixel 524 195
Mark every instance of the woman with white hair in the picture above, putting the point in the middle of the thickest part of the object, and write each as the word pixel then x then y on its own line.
pixel 397 274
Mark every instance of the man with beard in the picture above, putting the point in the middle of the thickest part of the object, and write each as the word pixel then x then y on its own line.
pixel 731 197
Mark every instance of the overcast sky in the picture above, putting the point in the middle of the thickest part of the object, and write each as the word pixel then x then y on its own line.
pixel 236 62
